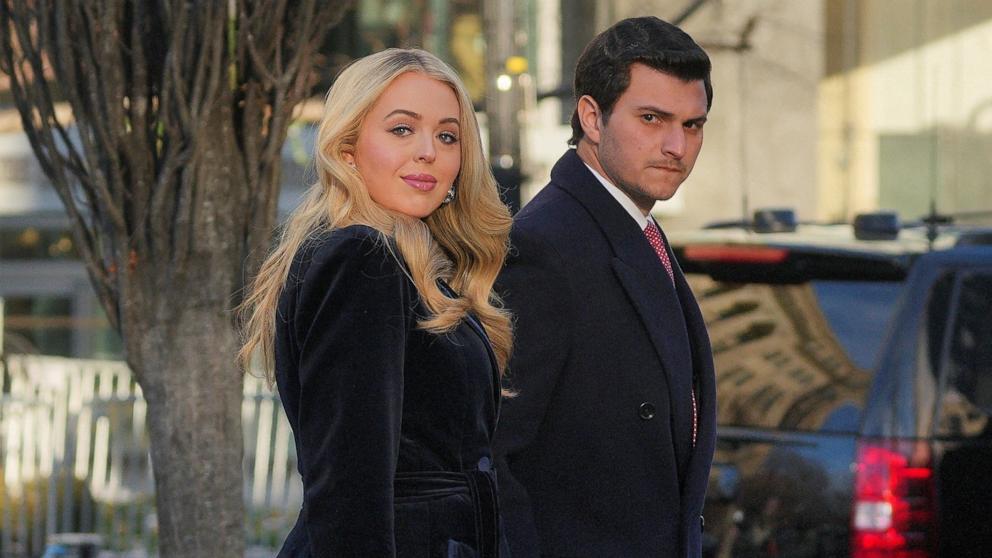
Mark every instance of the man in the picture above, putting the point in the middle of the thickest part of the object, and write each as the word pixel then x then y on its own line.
pixel 606 449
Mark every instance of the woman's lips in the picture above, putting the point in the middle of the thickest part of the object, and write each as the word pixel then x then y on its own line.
pixel 422 182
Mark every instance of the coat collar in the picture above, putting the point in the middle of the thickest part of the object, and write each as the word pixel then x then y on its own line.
pixel 626 239
pixel 572 175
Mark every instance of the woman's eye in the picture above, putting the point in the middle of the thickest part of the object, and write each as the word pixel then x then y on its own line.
pixel 402 130
pixel 448 137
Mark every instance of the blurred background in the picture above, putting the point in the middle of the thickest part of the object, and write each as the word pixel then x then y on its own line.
pixel 830 108
pixel 827 107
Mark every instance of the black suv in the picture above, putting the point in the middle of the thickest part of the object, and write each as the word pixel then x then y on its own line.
pixel 854 386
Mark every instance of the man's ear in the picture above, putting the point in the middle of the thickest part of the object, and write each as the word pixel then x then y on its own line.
pixel 589 117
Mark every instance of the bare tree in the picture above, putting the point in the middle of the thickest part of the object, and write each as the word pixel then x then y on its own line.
pixel 170 175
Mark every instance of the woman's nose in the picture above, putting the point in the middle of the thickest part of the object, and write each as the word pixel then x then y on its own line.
pixel 426 150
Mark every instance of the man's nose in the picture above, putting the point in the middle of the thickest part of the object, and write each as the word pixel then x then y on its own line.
pixel 674 142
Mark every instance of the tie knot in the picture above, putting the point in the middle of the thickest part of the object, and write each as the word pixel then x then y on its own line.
pixel 652 230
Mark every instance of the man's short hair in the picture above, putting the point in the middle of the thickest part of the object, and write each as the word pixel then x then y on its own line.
pixel 603 70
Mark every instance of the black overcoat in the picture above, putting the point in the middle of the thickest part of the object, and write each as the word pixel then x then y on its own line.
pixel 595 454
pixel 392 424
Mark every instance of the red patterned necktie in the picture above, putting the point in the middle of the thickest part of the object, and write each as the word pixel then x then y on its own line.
pixel 654 237
pixel 658 243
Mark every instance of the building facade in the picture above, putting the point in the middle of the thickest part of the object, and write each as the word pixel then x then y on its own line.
pixel 826 107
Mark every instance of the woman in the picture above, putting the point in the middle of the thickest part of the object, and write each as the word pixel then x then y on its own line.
pixel 376 313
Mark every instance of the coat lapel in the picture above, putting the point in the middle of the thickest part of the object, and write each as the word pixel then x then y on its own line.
pixel 479 330
pixel 642 276
pixel 694 487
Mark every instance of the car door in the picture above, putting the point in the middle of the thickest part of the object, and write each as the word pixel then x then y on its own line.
pixel 793 366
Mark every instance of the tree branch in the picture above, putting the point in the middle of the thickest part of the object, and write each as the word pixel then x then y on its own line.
pixel 101 200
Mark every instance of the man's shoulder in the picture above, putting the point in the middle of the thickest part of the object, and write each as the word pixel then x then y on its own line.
pixel 549 214
pixel 551 199
pixel 564 198
pixel 553 225
pixel 554 202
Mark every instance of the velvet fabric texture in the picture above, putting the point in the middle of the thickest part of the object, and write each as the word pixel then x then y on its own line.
pixel 392 424
pixel 595 454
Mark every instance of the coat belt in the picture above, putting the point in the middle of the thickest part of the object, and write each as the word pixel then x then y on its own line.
pixel 479 485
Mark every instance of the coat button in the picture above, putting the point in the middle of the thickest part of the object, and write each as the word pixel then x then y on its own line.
pixel 485 464
pixel 646 411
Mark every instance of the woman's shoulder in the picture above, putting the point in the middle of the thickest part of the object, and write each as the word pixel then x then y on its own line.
pixel 346 238
pixel 353 247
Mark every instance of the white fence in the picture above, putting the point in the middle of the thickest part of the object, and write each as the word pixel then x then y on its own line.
pixel 74 457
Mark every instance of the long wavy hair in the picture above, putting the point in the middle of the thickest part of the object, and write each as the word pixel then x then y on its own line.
pixel 463 242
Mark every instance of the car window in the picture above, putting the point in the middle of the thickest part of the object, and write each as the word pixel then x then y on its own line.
pixel 794 356
pixel 859 314
pixel 965 405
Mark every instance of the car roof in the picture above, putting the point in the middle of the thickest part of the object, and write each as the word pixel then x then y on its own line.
pixel 837 237
pixel 830 251
pixel 959 256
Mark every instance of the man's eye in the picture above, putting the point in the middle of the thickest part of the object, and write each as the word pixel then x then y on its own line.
pixel 649 117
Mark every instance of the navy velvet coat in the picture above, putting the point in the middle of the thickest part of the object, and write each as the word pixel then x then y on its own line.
pixel 392 424
pixel 595 454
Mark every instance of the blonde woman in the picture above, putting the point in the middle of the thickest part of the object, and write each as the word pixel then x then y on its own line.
pixel 375 316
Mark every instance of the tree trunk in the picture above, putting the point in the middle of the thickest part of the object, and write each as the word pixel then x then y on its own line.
pixel 194 418
pixel 170 179
pixel 184 349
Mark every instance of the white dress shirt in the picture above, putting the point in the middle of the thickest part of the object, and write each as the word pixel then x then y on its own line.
pixel 623 199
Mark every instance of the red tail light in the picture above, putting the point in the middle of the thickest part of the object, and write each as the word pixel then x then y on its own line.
pixel 894 503
pixel 745 254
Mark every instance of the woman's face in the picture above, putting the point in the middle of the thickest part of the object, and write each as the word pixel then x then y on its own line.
pixel 408 150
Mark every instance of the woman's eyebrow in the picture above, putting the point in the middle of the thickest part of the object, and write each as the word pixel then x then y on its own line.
pixel 418 116
pixel 409 113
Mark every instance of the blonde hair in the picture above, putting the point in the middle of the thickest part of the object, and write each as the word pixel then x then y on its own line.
pixel 463 242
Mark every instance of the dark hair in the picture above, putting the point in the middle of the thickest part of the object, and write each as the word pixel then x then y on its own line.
pixel 603 70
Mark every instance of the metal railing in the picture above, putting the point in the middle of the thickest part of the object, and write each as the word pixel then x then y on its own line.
pixel 74 452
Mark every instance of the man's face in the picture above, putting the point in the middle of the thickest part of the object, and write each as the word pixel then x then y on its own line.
pixel 650 142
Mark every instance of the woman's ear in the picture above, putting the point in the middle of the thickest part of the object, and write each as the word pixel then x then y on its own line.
pixel 589 117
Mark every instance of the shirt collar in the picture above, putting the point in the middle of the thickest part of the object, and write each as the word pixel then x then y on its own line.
pixel 622 198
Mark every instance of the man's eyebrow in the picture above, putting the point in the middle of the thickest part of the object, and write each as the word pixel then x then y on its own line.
pixel 665 114
pixel 656 110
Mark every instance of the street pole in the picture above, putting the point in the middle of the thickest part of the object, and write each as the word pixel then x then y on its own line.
pixel 506 77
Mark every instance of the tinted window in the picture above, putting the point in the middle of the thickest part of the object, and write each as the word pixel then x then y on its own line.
pixel 794 356
pixel 32 243
pixel 966 403
pixel 39 325
pixel 963 423
pixel 52 325
pixel 858 314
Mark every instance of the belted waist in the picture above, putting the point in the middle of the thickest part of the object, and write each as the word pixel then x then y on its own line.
pixel 429 484
pixel 480 486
